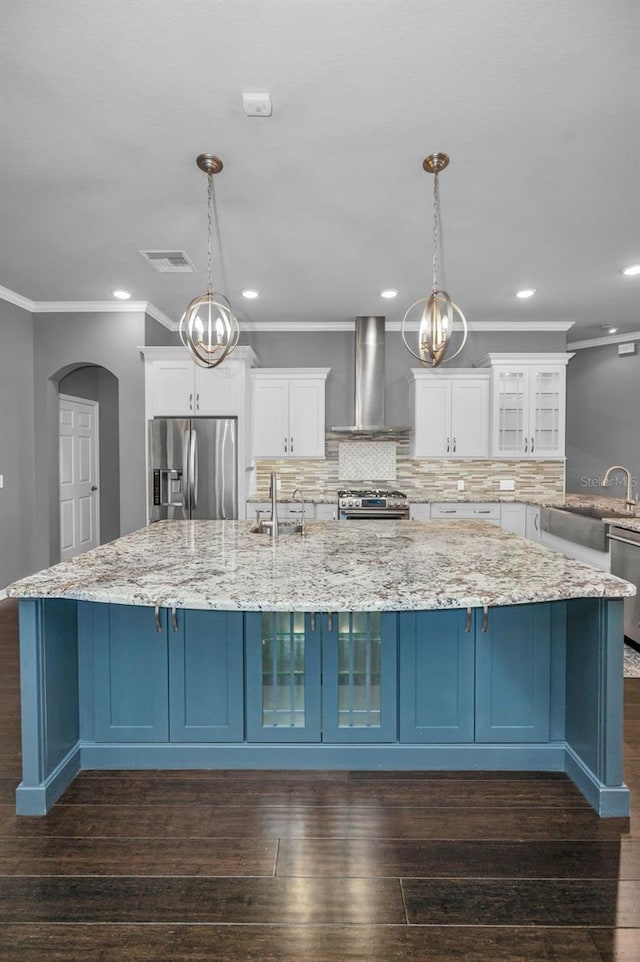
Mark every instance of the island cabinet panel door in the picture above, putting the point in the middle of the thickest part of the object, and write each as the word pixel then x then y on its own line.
pixel 283 651
pixel 205 676
pixel 436 676
pixel 130 674
pixel 513 658
pixel 359 677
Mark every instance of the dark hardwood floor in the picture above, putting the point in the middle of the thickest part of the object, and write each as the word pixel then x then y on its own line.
pixel 314 867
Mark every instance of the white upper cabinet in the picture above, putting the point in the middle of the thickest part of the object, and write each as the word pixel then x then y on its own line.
pixel 289 412
pixel 176 387
pixel 451 413
pixel 528 408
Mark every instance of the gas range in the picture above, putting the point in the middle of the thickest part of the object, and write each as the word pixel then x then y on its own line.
pixel 373 503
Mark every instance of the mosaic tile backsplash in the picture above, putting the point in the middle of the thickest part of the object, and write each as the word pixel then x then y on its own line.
pixel 374 460
pixel 420 479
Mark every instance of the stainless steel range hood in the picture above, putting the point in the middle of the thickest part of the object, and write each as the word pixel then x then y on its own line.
pixel 369 381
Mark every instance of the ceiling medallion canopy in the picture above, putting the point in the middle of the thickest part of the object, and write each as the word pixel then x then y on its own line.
pixel 436 312
pixel 208 328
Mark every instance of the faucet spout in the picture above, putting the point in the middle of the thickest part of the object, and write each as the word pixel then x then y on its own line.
pixel 629 502
pixel 273 492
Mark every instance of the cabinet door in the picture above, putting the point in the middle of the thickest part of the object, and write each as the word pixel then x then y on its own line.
pixel 436 677
pixel 513 518
pixel 512 674
pixel 511 412
pixel 130 674
pixel 547 411
pixel 420 512
pixel 432 437
pixel 172 388
pixel 306 418
pixel 206 676
pixel 217 390
pixel 532 529
pixel 359 677
pixel 326 512
pixel 282 677
pixel 270 418
pixel 470 418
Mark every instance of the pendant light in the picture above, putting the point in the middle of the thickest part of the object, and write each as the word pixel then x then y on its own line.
pixel 209 328
pixel 436 311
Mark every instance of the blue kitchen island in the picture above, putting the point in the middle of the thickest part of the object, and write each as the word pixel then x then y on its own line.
pixel 370 645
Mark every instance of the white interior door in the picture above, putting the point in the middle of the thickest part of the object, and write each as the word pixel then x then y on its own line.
pixel 79 472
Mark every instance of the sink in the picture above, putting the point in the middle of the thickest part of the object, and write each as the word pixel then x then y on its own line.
pixel 582 525
pixel 588 511
pixel 284 528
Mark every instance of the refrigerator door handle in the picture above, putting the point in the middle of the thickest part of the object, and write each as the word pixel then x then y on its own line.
pixel 193 469
pixel 186 442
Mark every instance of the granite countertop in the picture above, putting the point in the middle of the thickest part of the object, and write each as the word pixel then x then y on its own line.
pixel 368 566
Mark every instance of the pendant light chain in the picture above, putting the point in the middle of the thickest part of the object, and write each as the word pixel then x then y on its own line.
pixel 210 203
pixel 436 229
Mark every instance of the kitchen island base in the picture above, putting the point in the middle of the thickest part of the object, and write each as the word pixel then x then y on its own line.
pixel 519 687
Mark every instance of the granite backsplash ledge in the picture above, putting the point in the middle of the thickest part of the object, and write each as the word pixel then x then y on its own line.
pixel 420 479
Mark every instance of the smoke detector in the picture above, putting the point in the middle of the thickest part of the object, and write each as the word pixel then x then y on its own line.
pixel 169 262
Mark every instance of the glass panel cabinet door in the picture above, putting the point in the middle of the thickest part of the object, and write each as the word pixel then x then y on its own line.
pixel 359 677
pixel 511 413
pixel 547 409
pixel 283 677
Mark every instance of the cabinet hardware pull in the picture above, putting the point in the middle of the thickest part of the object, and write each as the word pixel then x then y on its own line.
pixel 198 401
pixel 482 510
pixel 291 445
pixel 485 618
pixel 467 624
pixel 448 445
pixel 454 445
pixel 156 618
pixel 615 537
pixel 533 445
pixel 312 621
pixel 536 519
pixel 526 445
pixel 285 445
pixel 191 402
pixel 174 618
pixel 330 620
pixel 448 510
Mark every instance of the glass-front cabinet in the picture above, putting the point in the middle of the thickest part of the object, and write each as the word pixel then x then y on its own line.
pixel 528 404
pixel 321 677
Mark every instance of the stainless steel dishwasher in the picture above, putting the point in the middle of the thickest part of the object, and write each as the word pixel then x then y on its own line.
pixel 625 563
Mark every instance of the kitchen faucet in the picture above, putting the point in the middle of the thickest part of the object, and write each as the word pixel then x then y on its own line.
pixel 629 502
pixel 293 497
pixel 273 494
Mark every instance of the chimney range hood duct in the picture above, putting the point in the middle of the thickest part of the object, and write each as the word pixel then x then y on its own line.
pixel 369 380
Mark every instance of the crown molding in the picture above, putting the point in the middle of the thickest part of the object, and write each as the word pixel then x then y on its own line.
pixel 603 341
pixel 12 298
pixel 146 307
pixel 87 307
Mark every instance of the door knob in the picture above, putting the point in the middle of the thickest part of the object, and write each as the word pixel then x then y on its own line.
pixel 94 487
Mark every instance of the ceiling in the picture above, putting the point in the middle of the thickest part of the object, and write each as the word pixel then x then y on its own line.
pixel 105 105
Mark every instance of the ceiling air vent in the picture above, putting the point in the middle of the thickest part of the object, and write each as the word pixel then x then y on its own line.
pixel 169 262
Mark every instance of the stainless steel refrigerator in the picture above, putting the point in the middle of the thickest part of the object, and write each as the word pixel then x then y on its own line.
pixel 193 468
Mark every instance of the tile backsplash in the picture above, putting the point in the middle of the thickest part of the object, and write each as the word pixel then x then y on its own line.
pixel 366 461
pixel 428 480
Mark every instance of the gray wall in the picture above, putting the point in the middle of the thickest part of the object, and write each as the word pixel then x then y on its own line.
pixel 61 344
pixel 16 444
pixel 97 384
pixel 603 419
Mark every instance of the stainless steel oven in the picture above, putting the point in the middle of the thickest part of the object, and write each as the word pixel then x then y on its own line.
pixel 367 504
pixel 625 563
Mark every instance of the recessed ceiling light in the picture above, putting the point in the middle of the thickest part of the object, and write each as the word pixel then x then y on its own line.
pixel 121 295
pixel 609 330
pixel 631 270
pixel 250 295
pixel 527 292
pixel 389 293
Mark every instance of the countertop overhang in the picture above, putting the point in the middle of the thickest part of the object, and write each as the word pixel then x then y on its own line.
pixel 336 566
